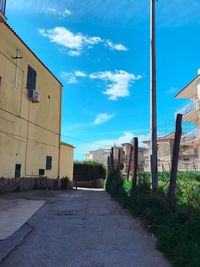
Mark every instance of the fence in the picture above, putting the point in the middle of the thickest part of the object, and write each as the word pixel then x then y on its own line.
pixel 189 151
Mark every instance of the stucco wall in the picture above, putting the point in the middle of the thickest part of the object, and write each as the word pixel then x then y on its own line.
pixel 66 161
pixel 28 131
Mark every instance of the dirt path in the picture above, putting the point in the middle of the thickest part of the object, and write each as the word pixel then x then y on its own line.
pixel 83 228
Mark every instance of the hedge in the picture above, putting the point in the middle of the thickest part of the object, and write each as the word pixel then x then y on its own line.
pixel 88 170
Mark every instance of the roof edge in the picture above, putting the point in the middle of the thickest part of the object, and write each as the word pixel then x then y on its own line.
pixel 198 76
pixel 66 144
pixel 30 50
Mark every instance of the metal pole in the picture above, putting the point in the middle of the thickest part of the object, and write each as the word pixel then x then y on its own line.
pixel 153 114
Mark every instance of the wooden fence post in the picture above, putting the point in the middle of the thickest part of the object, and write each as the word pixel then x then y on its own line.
pixel 119 160
pixel 174 166
pixel 111 161
pixel 108 165
pixel 194 166
pixel 129 162
pixel 163 168
pixel 135 161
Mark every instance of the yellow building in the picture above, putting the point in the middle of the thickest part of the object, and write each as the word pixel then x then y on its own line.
pixel 30 113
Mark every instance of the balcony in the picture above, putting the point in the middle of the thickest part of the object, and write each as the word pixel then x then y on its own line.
pixel 2 10
pixel 190 111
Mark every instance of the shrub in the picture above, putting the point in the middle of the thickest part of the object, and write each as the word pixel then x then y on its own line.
pixel 178 231
pixel 64 183
pixel 88 170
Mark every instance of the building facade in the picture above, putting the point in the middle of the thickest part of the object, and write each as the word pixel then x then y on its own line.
pixel 187 154
pixel 30 114
pixel 191 114
pixel 100 156
pixel 128 149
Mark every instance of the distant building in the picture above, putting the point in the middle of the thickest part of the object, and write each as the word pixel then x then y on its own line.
pixel 100 156
pixel 127 152
pixel 187 156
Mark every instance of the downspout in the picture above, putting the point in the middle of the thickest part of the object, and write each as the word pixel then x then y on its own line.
pixel 27 143
pixel 27 135
pixel 59 145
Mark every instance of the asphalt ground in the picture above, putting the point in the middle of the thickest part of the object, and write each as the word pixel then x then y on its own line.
pixel 85 228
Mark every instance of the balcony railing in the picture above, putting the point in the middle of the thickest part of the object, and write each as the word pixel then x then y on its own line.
pixel 188 108
pixel 3 6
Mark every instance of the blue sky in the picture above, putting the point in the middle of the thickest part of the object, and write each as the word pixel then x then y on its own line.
pixel 100 51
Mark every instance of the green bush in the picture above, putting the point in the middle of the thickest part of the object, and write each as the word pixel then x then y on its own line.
pixel 177 230
pixel 64 183
pixel 88 170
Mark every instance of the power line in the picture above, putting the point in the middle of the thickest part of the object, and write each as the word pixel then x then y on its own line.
pixel 14 136
pixel 85 141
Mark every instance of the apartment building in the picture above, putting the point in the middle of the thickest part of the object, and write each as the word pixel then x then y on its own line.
pixel 30 112
pixel 99 155
pixel 191 113
pixel 128 149
pixel 187 155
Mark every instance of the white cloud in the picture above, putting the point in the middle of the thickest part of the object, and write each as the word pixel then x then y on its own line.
pixel 69 76
pixel 75 43
pixel 79 73
pixel 59 13
pixel 102 118
pixel 117 83
pixel 118 47
pixel 73 53
pixel 67 12
pixel 64 37
pixel 172 90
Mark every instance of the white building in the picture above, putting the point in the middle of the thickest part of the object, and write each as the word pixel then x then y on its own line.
pixel 100 156
pixel 191 114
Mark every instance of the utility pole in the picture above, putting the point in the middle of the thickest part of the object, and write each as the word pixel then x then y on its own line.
pixel 153 113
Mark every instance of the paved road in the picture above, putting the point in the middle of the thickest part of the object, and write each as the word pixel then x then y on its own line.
pixel 83 228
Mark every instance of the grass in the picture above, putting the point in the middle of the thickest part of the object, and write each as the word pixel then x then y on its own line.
pixel 177 230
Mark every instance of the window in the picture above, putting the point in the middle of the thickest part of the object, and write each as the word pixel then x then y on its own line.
pixel 31 79
pixel 41 172
pixel 48 162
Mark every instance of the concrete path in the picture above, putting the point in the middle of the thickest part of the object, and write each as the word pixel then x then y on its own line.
pixel 83 228
pixel 15 213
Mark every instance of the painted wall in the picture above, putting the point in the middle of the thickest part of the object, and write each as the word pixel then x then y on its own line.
pixel 28 131
pixel 66 161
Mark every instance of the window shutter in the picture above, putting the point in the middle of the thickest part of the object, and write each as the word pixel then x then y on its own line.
pixel 31 78
pixel 48 162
